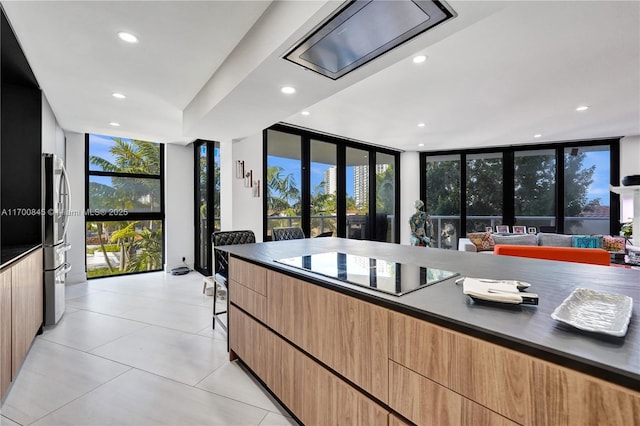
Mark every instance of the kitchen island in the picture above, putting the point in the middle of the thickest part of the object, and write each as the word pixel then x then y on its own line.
pixel 335 352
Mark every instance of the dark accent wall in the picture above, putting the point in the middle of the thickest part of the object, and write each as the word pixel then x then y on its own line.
pixel 20 145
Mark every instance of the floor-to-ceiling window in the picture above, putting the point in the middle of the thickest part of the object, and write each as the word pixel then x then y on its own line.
pixel 324 188
pixel 283 189
pixel 207 201
pixel 484 195
pixel 562 187
pixel 534 198
pixel 330 186
pixel 443 198
pixel 586 189
pixel 125 207
pixel 385 197
pixel 357 193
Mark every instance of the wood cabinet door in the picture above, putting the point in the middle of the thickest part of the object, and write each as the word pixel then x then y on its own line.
pixel 252 276
pixel 5 331
pixel 314 394
pixel 347 334
pixel 27 295
pixel 567 397
pixel 249 300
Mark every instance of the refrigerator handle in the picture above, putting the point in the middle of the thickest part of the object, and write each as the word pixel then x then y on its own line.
pixel 65 268
pixel 67 195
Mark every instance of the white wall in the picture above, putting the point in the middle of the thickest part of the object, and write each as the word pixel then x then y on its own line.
pixel 52 134
pixel 629 165
pixel 247 210
pixel 179 205
pixel 75 233
pixel 409 191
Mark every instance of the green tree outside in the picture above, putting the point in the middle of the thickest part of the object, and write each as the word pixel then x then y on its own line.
pixel 139 242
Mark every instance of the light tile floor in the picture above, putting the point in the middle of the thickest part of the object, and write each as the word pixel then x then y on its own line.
pixel 137 350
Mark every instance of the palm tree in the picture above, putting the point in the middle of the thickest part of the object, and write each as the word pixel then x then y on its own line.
pixel 129 157
pixel 283 192
pixel 148 248
pixel 125 237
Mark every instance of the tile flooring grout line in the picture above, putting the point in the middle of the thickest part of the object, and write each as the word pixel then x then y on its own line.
pixel 145 323
pixel 80 396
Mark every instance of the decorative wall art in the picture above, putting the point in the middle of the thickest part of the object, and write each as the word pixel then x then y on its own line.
pixel 239 169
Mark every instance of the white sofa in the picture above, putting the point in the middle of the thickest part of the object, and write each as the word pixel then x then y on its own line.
pixel 541 239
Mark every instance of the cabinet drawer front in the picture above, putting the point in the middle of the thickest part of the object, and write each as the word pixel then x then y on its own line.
pixel 346 334
pixel 421 346
pixel 567 397
pixel 311 392
pixel 421 400
pixel 249 300
pixel 493 376
pixel 426 402
pixel 249 275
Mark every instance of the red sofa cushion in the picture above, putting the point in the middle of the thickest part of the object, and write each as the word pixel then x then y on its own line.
pixel 593 256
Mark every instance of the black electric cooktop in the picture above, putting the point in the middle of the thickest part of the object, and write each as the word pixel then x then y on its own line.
pixel 377 274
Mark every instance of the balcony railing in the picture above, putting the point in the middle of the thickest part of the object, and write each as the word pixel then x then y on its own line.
pixel 447 228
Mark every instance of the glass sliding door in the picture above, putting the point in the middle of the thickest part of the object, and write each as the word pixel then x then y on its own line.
pixel 484 191
pixel 284 178
pixel 385 197
pixel 586 190
pixel 443 199
pixel 207 201
pixel 324 188
pixel 324 185
pixel 357 193
pixel 535 188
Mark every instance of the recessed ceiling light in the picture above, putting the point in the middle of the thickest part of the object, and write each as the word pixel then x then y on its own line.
pixel 419 59
pixel 114 124
pixel 305 113
pixel 118 95
pixel 538 135
pixel 582 108
pixel 128 37
pixel 420 124
pixel 420 144
pixel 288 90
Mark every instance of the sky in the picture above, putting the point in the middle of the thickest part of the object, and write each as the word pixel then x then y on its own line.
pixel 598 189
pixel 317 170
pixel 600 186
pixel 99 146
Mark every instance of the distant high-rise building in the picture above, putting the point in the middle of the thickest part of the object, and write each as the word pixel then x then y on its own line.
pixel 361 185
pixel 361 182
pixel 329 178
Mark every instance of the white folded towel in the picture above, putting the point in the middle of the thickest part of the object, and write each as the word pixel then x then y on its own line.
pixel 493 290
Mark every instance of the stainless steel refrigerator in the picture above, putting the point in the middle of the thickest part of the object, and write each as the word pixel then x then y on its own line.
pixel 55 203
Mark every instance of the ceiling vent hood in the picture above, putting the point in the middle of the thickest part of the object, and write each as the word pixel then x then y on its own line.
pixel 363 30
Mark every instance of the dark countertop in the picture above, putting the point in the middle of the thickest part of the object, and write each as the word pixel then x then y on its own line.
pixel 9 254
pixel 528 329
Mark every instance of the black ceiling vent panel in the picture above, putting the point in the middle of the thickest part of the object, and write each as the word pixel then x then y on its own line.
pixel 363 30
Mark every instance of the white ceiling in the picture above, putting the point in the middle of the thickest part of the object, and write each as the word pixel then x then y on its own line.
pixel 496 74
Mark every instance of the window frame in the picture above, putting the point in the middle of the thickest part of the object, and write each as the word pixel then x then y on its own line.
pixel 341 145
pixel 211 146
pixel 91 216
pixel 509 180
